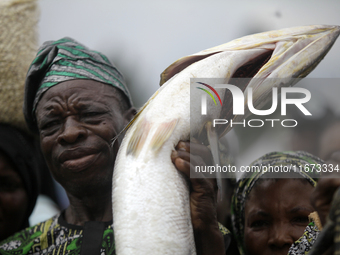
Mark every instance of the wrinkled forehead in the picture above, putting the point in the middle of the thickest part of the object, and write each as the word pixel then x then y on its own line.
pixel 269 190
pixel 80 92
pixel 264 183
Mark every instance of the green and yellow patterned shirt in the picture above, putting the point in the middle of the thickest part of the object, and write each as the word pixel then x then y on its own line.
pixel 55 236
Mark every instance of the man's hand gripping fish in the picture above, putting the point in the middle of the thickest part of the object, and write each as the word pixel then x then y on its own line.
pixel 151 207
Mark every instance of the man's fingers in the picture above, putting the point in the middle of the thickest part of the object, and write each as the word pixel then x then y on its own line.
pixel 183 146
pixel 195 160
pixel 196 149
pixel 184 166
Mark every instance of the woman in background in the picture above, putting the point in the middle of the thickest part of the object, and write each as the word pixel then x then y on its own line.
pixel 270 210
pixel 19 180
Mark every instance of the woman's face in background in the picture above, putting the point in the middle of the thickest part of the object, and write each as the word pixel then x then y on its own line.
pixel 13 198
pixel 276 215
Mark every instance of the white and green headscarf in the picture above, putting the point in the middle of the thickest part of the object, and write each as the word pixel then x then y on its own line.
pixel 64 60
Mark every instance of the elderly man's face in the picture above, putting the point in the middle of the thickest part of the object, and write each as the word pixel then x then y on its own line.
pixel 77 121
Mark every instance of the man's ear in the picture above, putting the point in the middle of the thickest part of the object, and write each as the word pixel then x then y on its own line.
pixel 129 114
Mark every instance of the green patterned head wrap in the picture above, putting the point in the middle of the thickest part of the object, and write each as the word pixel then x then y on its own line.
pixel 64 60
pixel 294 160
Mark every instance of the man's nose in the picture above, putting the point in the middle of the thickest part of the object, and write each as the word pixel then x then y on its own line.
pixel 73 131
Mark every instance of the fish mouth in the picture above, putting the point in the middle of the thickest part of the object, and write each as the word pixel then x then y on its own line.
pixel 290 54
pixel 295 52
pixel 260 61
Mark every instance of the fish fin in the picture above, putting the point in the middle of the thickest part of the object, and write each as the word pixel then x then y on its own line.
pixel 138 138
pixel 181 64
pixel 213 141
pixel 162 134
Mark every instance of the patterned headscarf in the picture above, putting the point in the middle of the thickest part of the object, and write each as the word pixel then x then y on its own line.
pixel 295 161
pixel 64 60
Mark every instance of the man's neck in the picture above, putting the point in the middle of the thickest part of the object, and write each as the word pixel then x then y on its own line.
pixel 90 208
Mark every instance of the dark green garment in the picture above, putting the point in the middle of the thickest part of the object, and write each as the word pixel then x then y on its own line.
pixel 57 237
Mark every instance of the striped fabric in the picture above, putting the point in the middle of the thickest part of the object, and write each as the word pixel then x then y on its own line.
pixel 64 60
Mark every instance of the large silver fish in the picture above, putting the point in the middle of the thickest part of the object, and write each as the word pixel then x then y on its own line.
pixel 151 209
